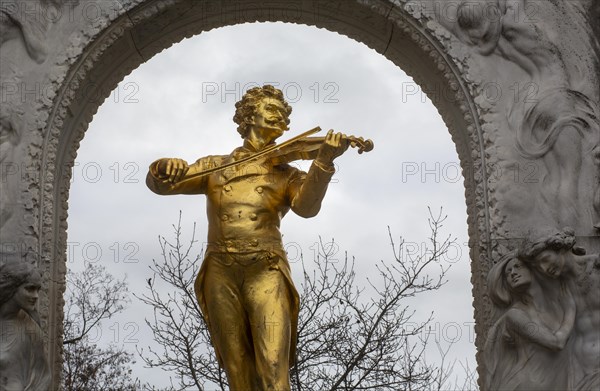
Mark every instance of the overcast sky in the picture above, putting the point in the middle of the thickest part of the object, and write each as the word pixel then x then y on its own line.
pixel 181 104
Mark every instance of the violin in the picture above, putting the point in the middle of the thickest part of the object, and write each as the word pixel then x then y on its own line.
pixel 300 147
pixel 307 148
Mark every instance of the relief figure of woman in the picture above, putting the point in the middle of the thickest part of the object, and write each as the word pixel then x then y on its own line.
pixel 525 347
pixel 23 364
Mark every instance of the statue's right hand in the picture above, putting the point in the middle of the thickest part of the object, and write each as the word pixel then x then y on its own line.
pixel 173 169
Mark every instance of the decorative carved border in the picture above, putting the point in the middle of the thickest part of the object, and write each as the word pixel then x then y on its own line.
pixel 470 141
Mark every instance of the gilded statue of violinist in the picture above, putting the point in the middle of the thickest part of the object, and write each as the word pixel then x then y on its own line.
pixel 244 286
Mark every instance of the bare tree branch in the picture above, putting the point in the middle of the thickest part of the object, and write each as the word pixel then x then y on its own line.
pixel 94 295
pixel 347 340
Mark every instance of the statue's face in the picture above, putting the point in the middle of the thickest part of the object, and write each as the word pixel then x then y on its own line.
pixel 27 295
pixel 551 262
pixel 517 275
pixel 472 18
pixel 270 117
pixel 478 30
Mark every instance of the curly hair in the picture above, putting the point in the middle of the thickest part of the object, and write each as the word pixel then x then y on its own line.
pixel 13 274
pixel 561 240
pixel 245 109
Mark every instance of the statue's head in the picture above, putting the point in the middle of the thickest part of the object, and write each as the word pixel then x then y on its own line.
pixel 20 282
pixel 480 20
pixel 470 15
pixel 550 254
pixel 265 103
pixel 509 277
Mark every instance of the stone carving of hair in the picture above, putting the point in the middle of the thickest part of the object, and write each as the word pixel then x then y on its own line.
pixel 561 240
pixel 469 15
pixel 246 108
pixel 498 289
pixel 554 112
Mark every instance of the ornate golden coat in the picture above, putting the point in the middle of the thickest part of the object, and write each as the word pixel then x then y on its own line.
pixel 245 205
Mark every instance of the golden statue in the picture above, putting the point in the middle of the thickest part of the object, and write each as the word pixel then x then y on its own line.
pixel 244 286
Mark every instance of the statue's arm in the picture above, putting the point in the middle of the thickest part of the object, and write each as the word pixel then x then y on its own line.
pixel 158 181
pixel 306 191
pixel 519 322
pixel 591 262
pixel 306 194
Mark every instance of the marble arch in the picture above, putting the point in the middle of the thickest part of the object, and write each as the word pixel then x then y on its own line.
pixel 55 78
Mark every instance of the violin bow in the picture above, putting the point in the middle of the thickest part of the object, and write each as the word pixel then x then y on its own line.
pixel 255 156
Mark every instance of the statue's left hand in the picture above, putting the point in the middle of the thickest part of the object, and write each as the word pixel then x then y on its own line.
pixel 173 169
pixel 335 145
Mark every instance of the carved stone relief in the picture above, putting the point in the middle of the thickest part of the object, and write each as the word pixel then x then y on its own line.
pixel 540 84
pixel 23 363
pixel 12 129
pixel 536 81
pixel 28 22
pixel 10 136
pixel 24 48
pixel 547 336
pixel 525 346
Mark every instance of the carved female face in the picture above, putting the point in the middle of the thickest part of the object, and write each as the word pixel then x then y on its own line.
pixel 517 275
pixel 551 262
pixel 27 295
pixel 474 19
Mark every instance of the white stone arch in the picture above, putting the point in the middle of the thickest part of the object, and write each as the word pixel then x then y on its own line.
pixel 88 57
